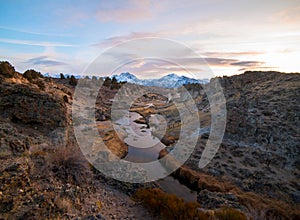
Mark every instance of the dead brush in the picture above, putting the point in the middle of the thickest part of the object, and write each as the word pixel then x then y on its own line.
pixel 69 165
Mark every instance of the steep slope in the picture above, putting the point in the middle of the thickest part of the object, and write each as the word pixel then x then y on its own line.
pixel 260 150
pixel 43 174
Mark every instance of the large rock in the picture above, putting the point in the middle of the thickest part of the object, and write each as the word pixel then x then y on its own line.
pixel 25 105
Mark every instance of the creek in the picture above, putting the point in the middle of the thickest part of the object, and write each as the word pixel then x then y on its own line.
pixel 143 147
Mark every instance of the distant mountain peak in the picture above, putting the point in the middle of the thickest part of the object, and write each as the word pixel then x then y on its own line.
pixel 172 75
pixel 168 81
pixel 128 75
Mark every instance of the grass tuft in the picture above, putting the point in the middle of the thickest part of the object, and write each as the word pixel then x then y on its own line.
pixel 69 165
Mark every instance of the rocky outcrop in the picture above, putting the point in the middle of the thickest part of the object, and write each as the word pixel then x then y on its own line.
pixel 23 104
pixel 212 200
pixel 41 165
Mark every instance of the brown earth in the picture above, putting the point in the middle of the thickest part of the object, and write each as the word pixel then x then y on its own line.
pixel 43 173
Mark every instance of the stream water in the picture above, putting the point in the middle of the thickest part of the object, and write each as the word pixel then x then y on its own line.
pixel 143 147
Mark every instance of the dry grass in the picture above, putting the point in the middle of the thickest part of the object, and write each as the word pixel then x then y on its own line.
pixel 272 208
pixel 64 204
pixel 262 207
pixel 112 139
pixel 195 180
pixel 229 214
pixel 69 165
pixel 38 153
pixel 169 206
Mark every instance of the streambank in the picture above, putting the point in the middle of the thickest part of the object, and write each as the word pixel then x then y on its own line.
pixel 143 147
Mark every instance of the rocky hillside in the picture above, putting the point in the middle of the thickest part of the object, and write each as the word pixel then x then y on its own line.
pixel 43 174
pixel 264 109
pixel 262 132
pixel 260 150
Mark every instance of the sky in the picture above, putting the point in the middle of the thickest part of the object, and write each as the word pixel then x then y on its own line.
pixel 231 36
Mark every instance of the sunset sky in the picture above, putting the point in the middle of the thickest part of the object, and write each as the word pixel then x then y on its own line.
pixel 233 36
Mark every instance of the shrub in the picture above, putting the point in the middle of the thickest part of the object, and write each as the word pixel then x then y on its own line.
pixel 230 214
pixel 64 204
pixel 66 99
pixel 169 206
pixel 32 74
pixel 69 165
pixel 107 82
pixel 6 69
pixel 40 84
pixel 73 81
pixel 115 84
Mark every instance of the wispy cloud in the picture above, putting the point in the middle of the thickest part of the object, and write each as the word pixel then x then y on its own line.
pixel 287 50
pixel 119 39
pixel 289 15
pixel 168 31
pixel 247 63
pixel 183 65
pixel 242 64
pixel 232 54
pixel 127 11
pixel 35 43
pixel 44 61
pixel 258 68
pixel 152 68
pixel 222 62
pixel 33 32
pixel 214 61
pixel 73 15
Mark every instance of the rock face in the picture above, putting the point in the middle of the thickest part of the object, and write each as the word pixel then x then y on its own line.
pixel 27 113
pixel 22 104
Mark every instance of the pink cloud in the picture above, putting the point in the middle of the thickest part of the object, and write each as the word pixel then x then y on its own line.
pixel 134 11
pixel 119 39
pixel 233 54
pixel 289 15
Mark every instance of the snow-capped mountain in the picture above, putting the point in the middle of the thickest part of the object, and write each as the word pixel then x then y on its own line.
pixel 168 81
pixel 66 75
pixel 127 77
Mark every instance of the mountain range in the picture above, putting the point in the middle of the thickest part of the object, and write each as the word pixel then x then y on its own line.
pixel 169 81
